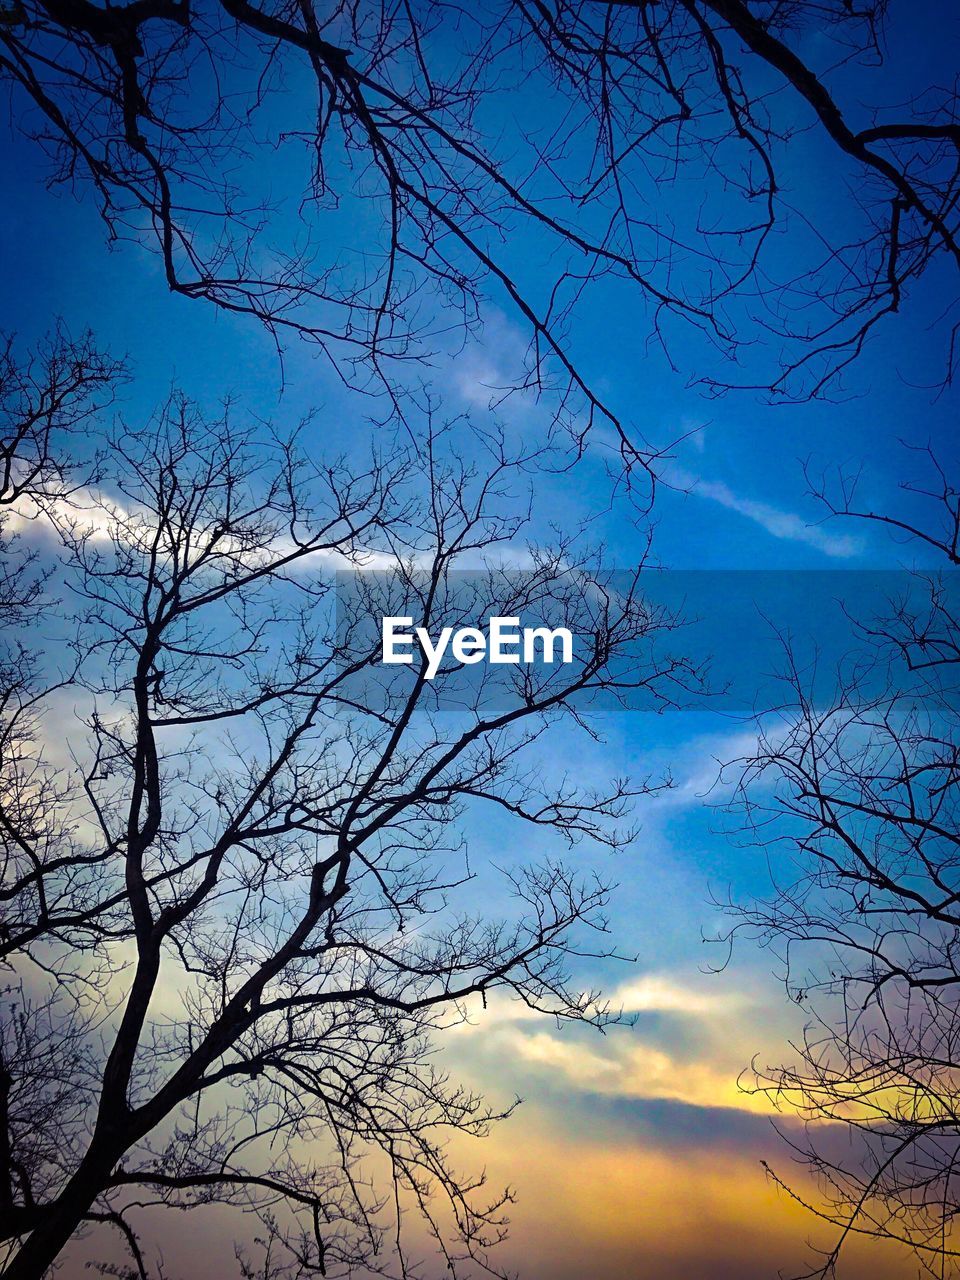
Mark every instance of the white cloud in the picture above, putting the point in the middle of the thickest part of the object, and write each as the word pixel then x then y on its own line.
pixel 104 522
pixel 659 993
pixel 716 1025
pixel 786 525
pixel 622 1067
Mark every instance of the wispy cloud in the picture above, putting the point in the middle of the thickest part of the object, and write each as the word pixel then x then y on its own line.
pixel 690 1045
pixel 659 993
pixel 103 522
pixel 621 1066
pixel 786 525
pixel 485 375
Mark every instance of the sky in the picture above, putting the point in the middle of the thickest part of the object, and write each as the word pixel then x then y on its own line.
pixel 634 1154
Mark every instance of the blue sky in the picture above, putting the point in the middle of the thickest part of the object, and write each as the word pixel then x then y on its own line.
pixel 657 1101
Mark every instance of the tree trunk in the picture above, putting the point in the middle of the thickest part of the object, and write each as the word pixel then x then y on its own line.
pixel 44 1244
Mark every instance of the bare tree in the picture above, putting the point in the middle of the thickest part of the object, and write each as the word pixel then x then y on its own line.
pixel 45 406
pixel 167 111
pixel 856 800
pixel 43 403
pixel 240 911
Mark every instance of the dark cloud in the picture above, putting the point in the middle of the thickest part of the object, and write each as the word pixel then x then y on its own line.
pixel 662 1123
